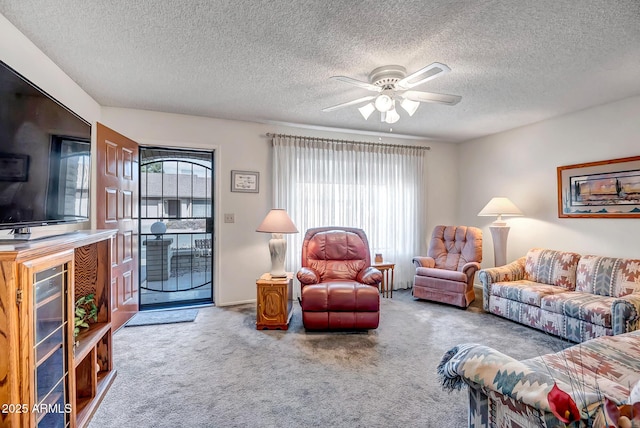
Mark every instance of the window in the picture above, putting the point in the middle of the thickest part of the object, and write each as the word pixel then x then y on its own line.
pixel 376 187
pixel 173 208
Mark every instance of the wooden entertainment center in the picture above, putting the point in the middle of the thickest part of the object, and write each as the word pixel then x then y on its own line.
pixel 48 377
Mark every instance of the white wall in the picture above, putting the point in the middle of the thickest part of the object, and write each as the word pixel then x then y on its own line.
pixel 18 52
pixel 443 179
pixel 521 164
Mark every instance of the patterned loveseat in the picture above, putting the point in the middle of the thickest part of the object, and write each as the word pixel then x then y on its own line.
pixel 568 295
pixel 504 392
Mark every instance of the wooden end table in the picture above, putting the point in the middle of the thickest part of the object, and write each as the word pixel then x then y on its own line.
pixel 274 304
pixel 386 286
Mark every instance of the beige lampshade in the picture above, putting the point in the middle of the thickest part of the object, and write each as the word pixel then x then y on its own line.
pixel 277 221
pixel 500 206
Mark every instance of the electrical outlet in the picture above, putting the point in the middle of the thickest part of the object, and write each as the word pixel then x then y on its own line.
pixel 229 218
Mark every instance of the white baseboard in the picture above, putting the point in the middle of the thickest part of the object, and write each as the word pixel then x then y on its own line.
pixel 239 302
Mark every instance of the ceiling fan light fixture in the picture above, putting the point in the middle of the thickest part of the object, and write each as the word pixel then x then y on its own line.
pixel 392 87
pixel 409 106
pixel 392 116
pixel 366 110
pixel 383 102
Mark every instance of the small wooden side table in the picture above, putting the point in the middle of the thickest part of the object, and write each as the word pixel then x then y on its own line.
pixel 386 287
pixel 274 305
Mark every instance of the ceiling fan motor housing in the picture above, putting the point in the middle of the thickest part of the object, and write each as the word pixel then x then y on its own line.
pixel 387 76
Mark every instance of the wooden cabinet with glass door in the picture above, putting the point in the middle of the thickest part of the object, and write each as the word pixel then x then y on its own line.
pixel 53 378
pixel 52 328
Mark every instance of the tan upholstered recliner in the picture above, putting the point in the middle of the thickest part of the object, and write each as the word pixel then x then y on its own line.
pixel 446 274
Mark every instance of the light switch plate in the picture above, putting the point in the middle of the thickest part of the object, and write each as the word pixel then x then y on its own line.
pixel 229 218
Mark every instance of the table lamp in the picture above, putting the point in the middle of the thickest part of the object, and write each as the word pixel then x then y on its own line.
pixel 500 206
pixel 277 222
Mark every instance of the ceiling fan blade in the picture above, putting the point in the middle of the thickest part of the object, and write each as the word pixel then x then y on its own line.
pixel 349 103
pixel 358 83
pixel 425 74
pixel 432 97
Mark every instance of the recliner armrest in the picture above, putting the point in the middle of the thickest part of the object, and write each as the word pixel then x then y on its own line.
pixel 308 276
pixel 369 276
pixel 470 269
pixel 420 261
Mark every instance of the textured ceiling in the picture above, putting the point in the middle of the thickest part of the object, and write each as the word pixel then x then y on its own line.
pixel 514 62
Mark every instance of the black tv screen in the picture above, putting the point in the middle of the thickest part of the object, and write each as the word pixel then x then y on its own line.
pixel 45 157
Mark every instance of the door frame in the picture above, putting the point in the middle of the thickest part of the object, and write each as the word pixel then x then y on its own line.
pixel 217 183
pixel 215 190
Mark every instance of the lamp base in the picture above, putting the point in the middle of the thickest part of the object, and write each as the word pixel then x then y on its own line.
pixel 278 250
pixel 499 234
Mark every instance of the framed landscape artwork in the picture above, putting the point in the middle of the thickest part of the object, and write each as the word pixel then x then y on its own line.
pixel 609 188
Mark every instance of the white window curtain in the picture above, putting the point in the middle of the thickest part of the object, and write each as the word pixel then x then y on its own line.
pixel 379 188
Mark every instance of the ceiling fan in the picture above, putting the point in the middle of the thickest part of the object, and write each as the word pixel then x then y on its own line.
pixel 392 86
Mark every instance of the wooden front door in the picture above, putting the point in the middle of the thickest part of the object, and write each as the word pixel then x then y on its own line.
pixel 117 190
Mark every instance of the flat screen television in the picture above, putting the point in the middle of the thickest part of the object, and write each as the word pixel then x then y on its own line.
pixel 45 158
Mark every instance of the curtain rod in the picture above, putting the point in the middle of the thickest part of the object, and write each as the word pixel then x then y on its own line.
pixel 364 143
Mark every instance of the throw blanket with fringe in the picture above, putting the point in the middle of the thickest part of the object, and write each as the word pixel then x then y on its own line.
pixel 507 392
pixel 492 370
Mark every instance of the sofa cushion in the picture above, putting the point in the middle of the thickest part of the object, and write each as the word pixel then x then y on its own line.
pixel 552 267
pixel 607 276
pixel 524 291
pixel 581 306
pixel 451 275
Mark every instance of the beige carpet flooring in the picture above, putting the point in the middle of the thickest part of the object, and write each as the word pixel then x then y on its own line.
pixel 219 371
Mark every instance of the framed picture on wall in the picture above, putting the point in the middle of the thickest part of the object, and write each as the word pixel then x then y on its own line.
pixel 245 181
pixel 609 188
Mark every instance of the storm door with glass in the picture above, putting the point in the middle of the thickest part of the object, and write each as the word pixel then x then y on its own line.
pixel 176 227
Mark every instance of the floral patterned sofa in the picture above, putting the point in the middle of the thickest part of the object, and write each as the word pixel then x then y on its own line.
pixel 504 392
pixel 568 295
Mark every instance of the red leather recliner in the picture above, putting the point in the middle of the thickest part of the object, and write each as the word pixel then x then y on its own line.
pixel 339 286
